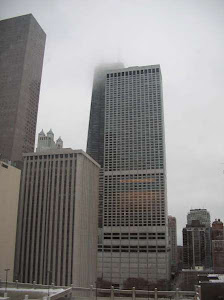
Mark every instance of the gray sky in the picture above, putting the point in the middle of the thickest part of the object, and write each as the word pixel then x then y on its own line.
pixel 186 37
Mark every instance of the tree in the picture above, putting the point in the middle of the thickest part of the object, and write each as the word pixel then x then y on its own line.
pixel 138 283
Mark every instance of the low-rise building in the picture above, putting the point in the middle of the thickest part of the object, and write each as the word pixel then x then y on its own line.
pixel 9 198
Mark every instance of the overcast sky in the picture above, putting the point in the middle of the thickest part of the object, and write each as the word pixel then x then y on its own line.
pixel 186 37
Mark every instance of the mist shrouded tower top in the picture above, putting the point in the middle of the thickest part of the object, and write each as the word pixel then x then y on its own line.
pixel 95 142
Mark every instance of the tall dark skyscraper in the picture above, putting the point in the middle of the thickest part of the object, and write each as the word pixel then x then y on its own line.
pixel 197 240
pixel 95 142
pixel 133 240
pixel 22 43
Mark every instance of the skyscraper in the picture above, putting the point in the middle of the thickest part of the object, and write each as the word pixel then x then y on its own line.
pixel 22 43
pixel 134 235
pixel 57 219
pixel 197 240
pixel 200 214
pixel 95 141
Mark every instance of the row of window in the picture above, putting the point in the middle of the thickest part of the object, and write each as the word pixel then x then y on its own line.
pixel 137 72
pixel 51 156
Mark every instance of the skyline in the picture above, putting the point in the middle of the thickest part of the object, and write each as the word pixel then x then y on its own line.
pixel 193 116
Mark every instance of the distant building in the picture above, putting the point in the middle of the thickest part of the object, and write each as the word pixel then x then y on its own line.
pixel 201 215
pixel 218 256
pixel 57 223
pixel 218 246
pixel 217 230
pixel 22 43
pixel 187 279
pixel 180 257
pixel 196 246
pixel 46 141
pixel 172 229
pixel 212 286
pixel 9 199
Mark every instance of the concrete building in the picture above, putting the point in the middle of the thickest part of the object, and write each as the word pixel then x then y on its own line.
pixel 46 141
pixel 199 214
pixel 9 199
pixel 57 224
pixel 197 246
pixel 22 43
pixel 218 246
pixel 172 230
pixel 133 237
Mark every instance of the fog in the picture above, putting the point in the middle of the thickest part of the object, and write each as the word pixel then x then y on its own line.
pixel 186 37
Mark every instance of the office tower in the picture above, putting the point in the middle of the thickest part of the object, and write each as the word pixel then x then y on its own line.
pixel 133 241
pixel 172 230
pixel 95 141
pixel 196 246
pixel 9 198
pixel 218 246
pixel 46 141
pixel 22 43
pixel 199 214
pixel 57 224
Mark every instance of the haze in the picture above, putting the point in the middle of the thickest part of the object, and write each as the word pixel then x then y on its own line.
pixel 185 37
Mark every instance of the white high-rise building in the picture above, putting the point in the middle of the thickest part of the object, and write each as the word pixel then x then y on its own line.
pixel 57 219
pixel 134 234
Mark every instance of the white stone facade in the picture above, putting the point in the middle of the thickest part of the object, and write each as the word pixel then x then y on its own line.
pixel 58 214
pixel 134 235
pixel 46 142
pixel 9 198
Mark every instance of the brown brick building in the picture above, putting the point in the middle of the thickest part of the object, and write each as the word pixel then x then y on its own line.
pixel 218 246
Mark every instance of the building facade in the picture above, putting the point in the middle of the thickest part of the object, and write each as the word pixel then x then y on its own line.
pixel 199 214
pixel 46 141
pixel 9 199
pixel 57 224
pixel 172 229
pixel 21 59
pixel 218 246
pixel 133 241
pixel 197 246
pixel 217 230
